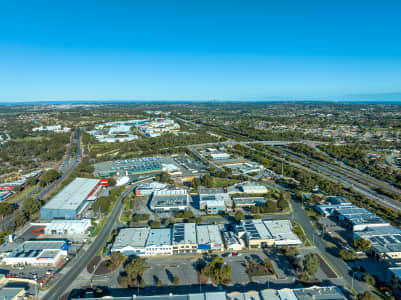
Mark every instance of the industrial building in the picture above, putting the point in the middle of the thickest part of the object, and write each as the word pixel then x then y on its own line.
pixel 68 227
pixel 213 201
pixel 184 238
pixel 159 242
pixel 209 238
pixel 255 233
pixel 169 200
pixel 244 168
pixel 131 241
pixel 253 189
pixel 330 209
pixel 393 279
pixel 73 201
pixel 385 241
pixel 5 194
pixel 232 242
pixel 37 252
pixel 358 219
pixel 17 184
pixel 308 293
pixel 147 188
pixel 241 202
pixel 220 156
pixel 281 231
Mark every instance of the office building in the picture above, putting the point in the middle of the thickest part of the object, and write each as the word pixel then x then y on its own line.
pixel 281 231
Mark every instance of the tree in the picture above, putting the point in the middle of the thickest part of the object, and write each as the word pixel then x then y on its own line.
pixel 20 218
pixel 347 255
pixel 115 261
pixel 164 177
pixel 366 296
pixel 195 183
pixel 135 269
pixel 155 224
pixel 207 181
pixel 31 206
pixel 159 283
pixel 111 181
pixel 142 283
pixel 48 177
pixel 311 263
pixel 6 209
pixel 176 280
pixel 239 215
pixel 282 202
pixel 267 264
pixel 304 276
pixel 361 244
pixel 369 279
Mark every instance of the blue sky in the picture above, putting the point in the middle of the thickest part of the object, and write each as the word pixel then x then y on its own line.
pixel 198 50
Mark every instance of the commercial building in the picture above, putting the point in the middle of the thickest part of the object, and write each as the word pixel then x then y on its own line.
pixel 148 188
pixel 68 227
pixel 281 231
pixel 209 238
pixel 17 184
pixel 253 189
pixel 244 168
pixel 73 201
pixel 309 293
pixel 184 238
pixel 385 241
pixel 240 202
pixel 232 241
pixel 131 241
pixel 5 194
pixel 159 242
pixel 330 209
pixel 220 156
pixel 12 293
pixel 255 233
pixel 169 200
pixel 358 219
pixel 37 252
pixel 213 201
pixel 393 279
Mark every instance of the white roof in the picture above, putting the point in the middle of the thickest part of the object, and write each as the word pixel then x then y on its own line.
pixel 134 237
pixel 208 234
pixel 72 196
pixel 281 230
pixel 159 237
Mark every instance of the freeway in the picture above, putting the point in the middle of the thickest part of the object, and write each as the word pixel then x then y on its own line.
pixel 61 286
pixel 346 181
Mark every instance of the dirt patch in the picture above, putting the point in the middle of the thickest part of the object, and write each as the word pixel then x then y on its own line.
pixel 104 268
pixel 92 265
pixel 327 269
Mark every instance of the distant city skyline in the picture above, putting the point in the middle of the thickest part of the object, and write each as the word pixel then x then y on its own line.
pixel 183 51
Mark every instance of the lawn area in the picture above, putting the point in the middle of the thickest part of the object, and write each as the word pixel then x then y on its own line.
pixel 223 182
pixel 18 196
pixel 99 227
pixel 298 230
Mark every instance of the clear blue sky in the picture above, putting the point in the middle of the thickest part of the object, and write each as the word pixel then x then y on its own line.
pixel 188 50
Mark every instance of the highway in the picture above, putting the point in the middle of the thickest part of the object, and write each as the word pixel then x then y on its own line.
pixel 346 181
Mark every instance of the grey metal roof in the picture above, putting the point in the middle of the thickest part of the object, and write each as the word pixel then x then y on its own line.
pixel 73 195
pixel 208 234
pixel 184 233
pixel 159 237
pixel 134 237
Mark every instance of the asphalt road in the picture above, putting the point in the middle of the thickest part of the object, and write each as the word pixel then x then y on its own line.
pixel 61 286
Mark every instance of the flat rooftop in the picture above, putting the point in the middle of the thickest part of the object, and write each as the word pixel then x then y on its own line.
pixel 73 195
pixel 384 239
pixel 209 234
pixel 255 229
pixel 159 237
pixel 184 233
pixel 169 198
pixel 135 237
pixel 281 230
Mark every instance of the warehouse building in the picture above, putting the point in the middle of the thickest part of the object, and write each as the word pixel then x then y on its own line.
pixel 242 202
pixel 148 188
pixel 12 185
pixel 255 233
pixel 73 201
pixel 38 252
pixel 68 227
pixel 184 238
pixel 220 156
pixel 281 231
pixel 385 241
pixel 232 241
pixel 209 238
pixel 131 241
pixel 213 201
pixel 169 200
pixel 358 219
pixel 5 195
pixel 253 189
pixel 159 242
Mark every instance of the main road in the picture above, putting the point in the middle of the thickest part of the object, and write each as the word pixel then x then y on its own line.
pixel 60 287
